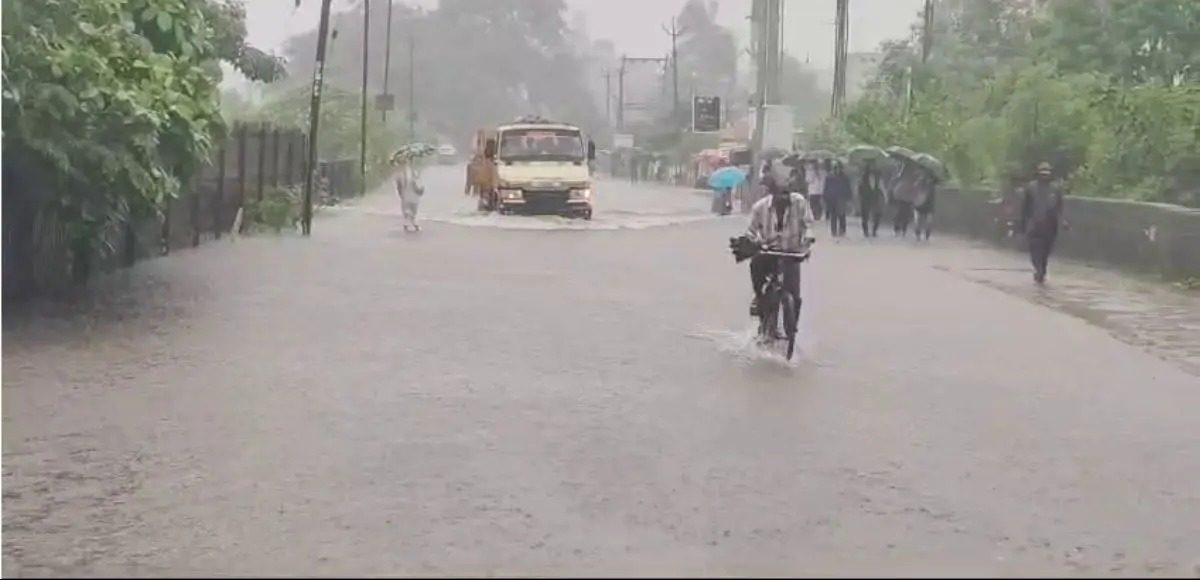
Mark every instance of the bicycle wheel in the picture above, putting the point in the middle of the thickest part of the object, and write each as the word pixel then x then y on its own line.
pixel 768 316
pixel 788 313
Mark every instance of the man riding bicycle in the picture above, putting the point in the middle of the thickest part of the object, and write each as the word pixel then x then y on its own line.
pixel 780 221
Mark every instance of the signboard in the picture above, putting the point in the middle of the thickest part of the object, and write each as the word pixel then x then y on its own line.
pixel 385 102
pixel 623 140
pixel 706 114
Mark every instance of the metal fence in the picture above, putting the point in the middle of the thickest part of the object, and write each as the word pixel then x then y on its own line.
pixel 37 256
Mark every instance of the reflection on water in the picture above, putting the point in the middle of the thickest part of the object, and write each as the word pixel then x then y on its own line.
pixel 1164 321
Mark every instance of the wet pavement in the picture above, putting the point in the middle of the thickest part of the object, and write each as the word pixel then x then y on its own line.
pixel 509 395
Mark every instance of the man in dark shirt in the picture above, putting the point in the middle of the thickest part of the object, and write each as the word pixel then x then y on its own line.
pixel 837 197
pixel 870 199
pixel 1041 214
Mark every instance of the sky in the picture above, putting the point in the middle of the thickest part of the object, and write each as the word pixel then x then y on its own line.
pixel 808 24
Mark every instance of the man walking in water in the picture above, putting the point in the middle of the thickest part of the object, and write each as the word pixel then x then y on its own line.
pixel 1041 214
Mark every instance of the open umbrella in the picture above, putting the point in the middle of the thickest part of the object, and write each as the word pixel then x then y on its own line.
pixel 933 164
pixel 792 160
pixel 861 153
pixel 726 178
pixel 410 151
pixel 902 153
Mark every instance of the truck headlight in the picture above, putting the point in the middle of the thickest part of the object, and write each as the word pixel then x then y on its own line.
pixel 510 194
pixel 581 193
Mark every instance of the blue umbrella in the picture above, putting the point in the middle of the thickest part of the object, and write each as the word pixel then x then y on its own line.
pixel 726 178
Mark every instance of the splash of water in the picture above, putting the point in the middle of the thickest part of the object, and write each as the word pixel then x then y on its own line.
pixel 744 345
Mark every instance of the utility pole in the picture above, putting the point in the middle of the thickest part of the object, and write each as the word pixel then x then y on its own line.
pixel 387 61
pixel 625 60
pixel 766 31
pixel 362 161
pixel 674 32
pixel 314 117
pixel 412 85
pixel 927 32
pixel 621 95
pixel 841 43
pixel 608 96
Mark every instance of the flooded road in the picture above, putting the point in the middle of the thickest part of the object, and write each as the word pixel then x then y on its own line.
pixel 509 395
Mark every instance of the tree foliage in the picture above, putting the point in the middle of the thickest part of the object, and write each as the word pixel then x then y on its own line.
pixel 111 104
pixel 1104 90
pixel 476 63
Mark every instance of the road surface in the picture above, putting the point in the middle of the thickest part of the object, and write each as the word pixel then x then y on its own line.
pixel 508 395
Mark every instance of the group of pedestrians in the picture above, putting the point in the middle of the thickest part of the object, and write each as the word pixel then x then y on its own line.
pixel 912 195
pixel 831 194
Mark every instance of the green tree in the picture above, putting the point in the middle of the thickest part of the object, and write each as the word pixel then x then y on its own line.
pixel 111 104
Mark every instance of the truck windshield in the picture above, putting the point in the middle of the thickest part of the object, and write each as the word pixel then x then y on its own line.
pixel 541 145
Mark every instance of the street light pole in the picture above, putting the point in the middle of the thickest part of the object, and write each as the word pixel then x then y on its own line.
pixel 412 85
pixel 314 116
pixel 387 61
pixel 362 162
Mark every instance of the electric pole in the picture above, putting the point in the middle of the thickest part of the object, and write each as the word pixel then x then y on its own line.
pixel 927 33
pixel 362 162
pixel 841 43
pixel 314 117
pixel 608 96
pixel 625 60
pixel 674 32
pixel 387 62
pixel 412 85
pixel 766 31
pixel 621 95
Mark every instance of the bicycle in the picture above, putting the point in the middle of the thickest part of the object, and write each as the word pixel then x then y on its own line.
pixel 777 307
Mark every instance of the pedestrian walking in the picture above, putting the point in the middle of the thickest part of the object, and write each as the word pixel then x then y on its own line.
pixel 924 209
pixel 903 193
pixel 816 188
pixel 837 198
pixel 1041 215
pixel 796 182
pixel 410 190
pixel 870 200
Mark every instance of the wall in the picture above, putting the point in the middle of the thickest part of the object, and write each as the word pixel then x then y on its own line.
pixel 1152 238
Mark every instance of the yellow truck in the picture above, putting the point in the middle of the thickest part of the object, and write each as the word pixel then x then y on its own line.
pixel 534 166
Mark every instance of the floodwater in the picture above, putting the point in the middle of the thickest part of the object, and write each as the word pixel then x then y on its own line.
pixel 531 395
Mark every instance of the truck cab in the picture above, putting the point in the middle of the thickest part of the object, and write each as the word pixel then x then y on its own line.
pixel 543 167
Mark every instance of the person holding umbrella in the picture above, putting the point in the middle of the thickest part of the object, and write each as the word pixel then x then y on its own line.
pixel 870 199
pixel 723 181
pixel 837 197
pixel 927 184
